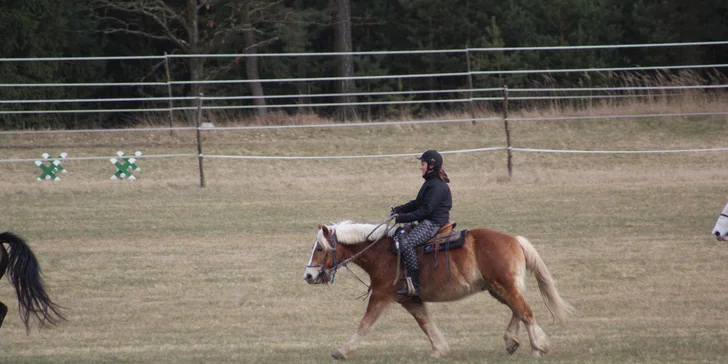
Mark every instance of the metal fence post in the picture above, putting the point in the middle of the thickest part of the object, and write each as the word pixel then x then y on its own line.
pixel 199 141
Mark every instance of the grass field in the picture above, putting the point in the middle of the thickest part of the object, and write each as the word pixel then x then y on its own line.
pixel 160 270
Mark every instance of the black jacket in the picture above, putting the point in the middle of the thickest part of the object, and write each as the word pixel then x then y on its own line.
pixel 433 203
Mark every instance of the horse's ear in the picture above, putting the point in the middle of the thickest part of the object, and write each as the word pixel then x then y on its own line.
pixel 325 230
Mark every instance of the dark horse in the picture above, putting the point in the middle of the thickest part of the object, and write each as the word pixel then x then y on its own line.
pixel 488 261
pixel 25 275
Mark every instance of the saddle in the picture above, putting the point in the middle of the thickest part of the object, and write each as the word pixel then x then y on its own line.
pixel 447 238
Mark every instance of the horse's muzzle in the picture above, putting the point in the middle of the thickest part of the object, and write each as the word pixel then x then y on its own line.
pixel 318 277
pixel 717 236
pixel 313 277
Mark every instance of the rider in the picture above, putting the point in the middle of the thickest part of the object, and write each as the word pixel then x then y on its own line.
pixel 431 210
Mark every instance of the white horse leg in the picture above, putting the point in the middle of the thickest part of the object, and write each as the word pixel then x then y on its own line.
pixel 418 310
pixel 511 335
pixel 375 308
pixel 539 341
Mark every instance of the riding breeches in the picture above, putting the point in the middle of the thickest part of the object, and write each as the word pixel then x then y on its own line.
pixel 419 235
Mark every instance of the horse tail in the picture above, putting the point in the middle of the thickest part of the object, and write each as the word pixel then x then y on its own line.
pixel 557 306
pixel 25 275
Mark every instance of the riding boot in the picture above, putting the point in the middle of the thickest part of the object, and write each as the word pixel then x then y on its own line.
pixel 412 284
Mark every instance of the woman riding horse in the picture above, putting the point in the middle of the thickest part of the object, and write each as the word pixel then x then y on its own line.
pixel 489 260
pixel 431 210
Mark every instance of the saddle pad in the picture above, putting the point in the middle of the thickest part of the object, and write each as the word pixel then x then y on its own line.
pixel 430 247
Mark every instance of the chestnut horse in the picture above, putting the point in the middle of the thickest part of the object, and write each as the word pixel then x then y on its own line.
pixel 488 261
pixel 25 275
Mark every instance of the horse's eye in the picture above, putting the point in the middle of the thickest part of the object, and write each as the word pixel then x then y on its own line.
pixel 319 248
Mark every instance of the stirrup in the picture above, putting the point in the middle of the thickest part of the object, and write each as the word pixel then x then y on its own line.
pixel 410 289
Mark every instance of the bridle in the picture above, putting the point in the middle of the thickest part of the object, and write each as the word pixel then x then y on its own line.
pixel 333 241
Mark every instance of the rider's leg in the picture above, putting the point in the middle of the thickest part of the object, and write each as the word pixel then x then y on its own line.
pixel 419 235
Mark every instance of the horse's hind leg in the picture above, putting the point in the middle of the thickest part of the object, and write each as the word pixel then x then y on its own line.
pixel 511 335
pixel 521 310
pixel 539 341
pixel 375 307
pixel 3 312
pixel 511 296
pixel 418 310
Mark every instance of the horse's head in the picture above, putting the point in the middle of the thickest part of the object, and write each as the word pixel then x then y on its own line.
pixel 338 242
pixel 323 257
pixel 721 226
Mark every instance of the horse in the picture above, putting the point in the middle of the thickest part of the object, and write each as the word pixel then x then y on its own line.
pixel 24 274
pixel 489 260
pixel 720 230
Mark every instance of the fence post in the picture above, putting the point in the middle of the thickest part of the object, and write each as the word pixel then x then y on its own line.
pixel 199 141
pixel 169 93
pixel 508 131
pixel 470 86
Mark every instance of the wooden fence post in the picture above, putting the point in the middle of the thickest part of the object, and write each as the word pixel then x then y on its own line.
pixel 508 131
pixel 199 141
pixel 470 86
pixel 169 93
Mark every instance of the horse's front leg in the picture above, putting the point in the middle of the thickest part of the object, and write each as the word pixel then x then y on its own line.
pixel 377 304
pixel 418 310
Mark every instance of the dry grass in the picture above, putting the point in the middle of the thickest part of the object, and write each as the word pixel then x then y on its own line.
pixel 162 271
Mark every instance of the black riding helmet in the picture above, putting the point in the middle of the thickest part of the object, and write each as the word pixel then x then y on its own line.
pixel 432 157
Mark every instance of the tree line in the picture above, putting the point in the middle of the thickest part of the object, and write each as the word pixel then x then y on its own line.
pixel 83 28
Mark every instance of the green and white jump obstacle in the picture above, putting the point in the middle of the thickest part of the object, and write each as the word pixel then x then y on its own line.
pixel 48 172
pixel 126 167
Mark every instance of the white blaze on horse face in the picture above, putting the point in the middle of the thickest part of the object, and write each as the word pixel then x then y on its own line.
pixel 311 273
pixel 313 251
pixel 720 230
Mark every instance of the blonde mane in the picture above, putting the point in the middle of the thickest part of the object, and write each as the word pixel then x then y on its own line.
pixel 348 232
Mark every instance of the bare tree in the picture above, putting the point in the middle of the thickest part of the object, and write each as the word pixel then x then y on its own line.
pixel 301 65
pixel 251 62
pixel 345 62
pixel 193 30
pixel 198 27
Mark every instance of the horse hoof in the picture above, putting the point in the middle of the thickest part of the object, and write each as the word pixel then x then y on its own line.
pixel 536 353
pixel 439 354
pixel 338 355
pixel 512 348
